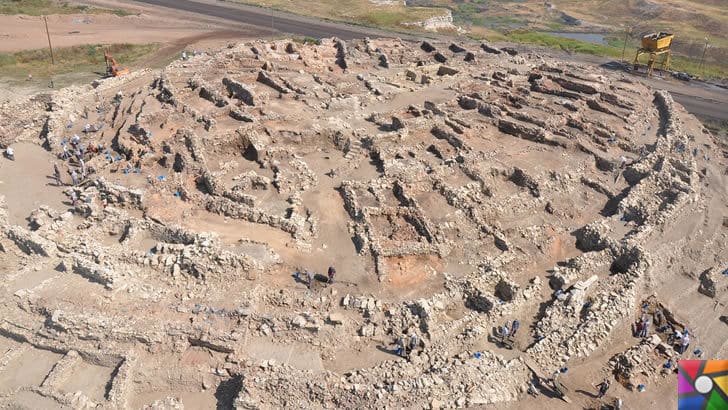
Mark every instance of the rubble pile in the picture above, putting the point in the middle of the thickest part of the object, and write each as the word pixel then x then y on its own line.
pixel 644 362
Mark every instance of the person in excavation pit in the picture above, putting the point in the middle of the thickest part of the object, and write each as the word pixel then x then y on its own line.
pixel 514 327
pixel 309 278
pixel 331 274
pixel 57 174
pixel 603 387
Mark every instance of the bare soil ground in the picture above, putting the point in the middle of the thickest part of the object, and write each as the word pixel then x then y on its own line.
pixel 28 32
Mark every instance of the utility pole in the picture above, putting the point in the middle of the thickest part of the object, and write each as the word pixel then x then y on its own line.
pixel 701 66
pixel 48 34
pixel 627 32
pixel 50 46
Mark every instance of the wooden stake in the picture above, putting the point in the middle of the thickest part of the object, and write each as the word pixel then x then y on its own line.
pixel 50 46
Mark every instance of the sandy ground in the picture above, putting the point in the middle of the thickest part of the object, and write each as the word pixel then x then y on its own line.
pixel 28 32
pixel 175 31
pixel 28 181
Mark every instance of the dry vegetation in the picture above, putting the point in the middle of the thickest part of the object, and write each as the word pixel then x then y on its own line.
pixel 48 7
pixel 364 12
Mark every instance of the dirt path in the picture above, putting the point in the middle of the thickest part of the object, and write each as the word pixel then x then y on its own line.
pixel 27 32
pixel 165 54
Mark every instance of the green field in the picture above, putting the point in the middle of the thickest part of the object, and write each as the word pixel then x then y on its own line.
pixel 48 7
pixel 87 60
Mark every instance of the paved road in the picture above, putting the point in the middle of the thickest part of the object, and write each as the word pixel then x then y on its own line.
pixel 703 108
pixel 265 18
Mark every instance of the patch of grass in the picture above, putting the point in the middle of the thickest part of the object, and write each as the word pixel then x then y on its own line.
pixel 566 44
pixel 48 7
pixel 306 40
pixel 352 11
pixel 555 26
pixel 678 62
pixel 386 18
pixel 718 128
pixel 691 66
pixel 87 59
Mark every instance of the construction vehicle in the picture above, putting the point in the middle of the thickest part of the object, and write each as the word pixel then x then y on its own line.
pixel 655 44
pixel 112 68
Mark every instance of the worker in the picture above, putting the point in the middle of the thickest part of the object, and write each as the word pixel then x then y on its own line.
pixel 401 347
pixel 332 274
pixel 558 388
pixel 532 389
pixel 623 161
pixel 65 151
pixel 184 55
pixel 10 153
pixel 603 387
pixel 83 168
pixel 640 325
pixel 685 342
pixel 414 341
pixel 514 328
pixel 74 177
pixel 504 331
pixel 56 173
pixel 645 327
pixel 658 318
pixel 75 139
pixel 74 198
pixel 309 277
pixel 674 337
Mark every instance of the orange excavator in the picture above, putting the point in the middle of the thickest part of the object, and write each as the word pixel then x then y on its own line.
pixel 112 68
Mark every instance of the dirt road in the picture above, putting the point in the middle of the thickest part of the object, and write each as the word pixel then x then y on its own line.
pixel 27 32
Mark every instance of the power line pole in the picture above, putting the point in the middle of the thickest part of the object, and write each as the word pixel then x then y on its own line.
pixel 701 66
pixel 627 32
pixel 50 46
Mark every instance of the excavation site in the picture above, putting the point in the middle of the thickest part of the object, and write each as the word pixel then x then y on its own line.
pixel 376 223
